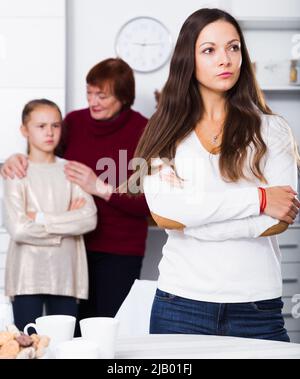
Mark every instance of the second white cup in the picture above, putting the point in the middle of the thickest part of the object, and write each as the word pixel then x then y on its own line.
pixel 103 331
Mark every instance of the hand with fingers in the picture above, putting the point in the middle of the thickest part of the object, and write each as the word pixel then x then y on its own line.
pixel 31 215
pixel 172 179
pixel 282 202
pixel 15 166
pixel 77 204
pixel 86 178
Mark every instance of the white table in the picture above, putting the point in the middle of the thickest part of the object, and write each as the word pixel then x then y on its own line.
pixel 203 347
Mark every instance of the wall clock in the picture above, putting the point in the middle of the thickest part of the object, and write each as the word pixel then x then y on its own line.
pixel 144 43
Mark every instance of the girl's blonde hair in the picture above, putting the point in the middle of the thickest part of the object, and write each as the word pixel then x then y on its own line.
pixel 34 104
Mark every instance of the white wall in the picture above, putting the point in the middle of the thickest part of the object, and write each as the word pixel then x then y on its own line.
pixel 32 65
pixel 264 8
pixel 32 62
pixel 93 26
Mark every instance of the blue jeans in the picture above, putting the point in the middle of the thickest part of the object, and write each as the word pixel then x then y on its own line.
pixel 176 315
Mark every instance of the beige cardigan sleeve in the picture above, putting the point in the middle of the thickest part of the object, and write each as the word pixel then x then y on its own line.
pixel 20 227
pixel 73 223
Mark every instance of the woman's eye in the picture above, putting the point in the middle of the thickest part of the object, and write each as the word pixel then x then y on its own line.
pixel 208 51
pixel 235 48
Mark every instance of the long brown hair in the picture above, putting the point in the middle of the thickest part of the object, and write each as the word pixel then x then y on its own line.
pixel 181 107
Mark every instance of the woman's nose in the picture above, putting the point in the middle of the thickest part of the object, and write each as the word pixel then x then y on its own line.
pixel 92 100
pixel 224 59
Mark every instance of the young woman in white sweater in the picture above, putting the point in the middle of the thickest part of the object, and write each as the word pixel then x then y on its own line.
pixel 46 216
pixel 222 183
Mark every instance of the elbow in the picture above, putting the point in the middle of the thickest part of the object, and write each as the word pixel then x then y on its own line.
pixel 158 221
pixel 94 223
pixel 280 228
pixel 90 224
pixel 165 223
pixel 17 234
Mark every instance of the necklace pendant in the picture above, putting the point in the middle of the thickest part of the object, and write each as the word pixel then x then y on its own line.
pixel 214 140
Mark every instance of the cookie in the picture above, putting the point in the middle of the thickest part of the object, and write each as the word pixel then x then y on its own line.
pixel 10 350
pixel 43 344
pixel 28 353
pixel 5 337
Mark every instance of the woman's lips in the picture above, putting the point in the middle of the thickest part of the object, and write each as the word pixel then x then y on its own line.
pixel 225 75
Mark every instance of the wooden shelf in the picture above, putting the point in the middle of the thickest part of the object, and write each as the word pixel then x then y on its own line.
pixel 270 23
pixel 290 88
pixel 295 226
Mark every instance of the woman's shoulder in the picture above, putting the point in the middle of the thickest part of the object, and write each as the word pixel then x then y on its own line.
pixel 275 127
pixel 61 161
pixel 275 123
pixel 43 170
pixel 16 184
pixel 57 162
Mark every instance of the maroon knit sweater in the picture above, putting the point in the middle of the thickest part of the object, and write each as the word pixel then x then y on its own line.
pixel 122 221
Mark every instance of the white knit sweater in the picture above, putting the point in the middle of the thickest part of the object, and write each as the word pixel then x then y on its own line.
pixel 220 257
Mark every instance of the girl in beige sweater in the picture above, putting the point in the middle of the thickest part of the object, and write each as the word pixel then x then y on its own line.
pixel 46 216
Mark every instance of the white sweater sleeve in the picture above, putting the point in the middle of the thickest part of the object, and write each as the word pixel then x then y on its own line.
pixel 194 207
pixel 280 169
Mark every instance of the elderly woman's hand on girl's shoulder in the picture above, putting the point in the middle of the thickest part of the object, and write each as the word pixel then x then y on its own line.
pixel 15 166
pixel 86 178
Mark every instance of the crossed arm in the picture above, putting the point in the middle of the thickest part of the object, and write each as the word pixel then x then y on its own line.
pixel 221 216
pixel 165 223
pixel 25 230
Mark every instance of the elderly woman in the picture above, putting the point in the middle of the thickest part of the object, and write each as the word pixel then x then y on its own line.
pixel 105 135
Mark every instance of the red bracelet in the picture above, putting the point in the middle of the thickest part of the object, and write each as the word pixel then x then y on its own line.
pixel 263 203
pixel 264 200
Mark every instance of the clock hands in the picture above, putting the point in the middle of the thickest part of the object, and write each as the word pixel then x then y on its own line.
pixel 146 43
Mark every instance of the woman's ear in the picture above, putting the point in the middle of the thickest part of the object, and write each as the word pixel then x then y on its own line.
pixel 24 131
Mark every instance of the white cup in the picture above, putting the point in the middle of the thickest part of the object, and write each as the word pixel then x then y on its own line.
pixel 103 331
pixel 78 348
pixel 59 328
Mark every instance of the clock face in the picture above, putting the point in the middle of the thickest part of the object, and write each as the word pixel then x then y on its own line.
pixel 144 43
